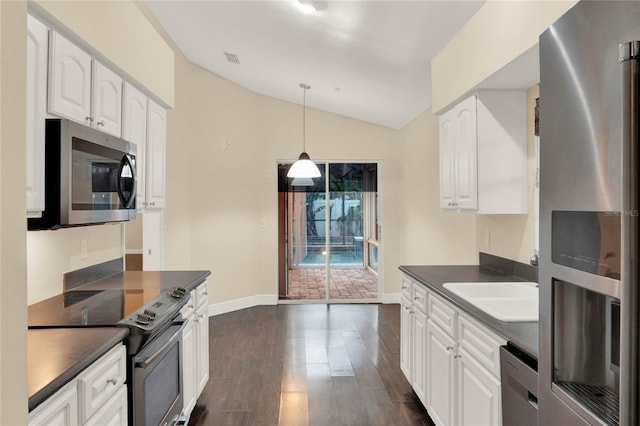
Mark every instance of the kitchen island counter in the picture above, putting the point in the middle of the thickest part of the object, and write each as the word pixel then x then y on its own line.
pixel 522 334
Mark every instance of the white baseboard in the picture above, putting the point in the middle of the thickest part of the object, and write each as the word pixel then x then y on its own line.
pixel 270 299
pixel 389 298
pixel 245 302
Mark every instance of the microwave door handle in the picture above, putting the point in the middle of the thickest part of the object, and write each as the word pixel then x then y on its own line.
pixel 132 196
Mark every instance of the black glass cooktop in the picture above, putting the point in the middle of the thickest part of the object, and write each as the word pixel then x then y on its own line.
pixel 87 308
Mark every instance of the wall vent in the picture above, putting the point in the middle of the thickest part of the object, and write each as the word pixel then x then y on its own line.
pixel 232 58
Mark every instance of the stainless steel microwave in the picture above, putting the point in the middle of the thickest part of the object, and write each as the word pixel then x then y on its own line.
pixel 90 177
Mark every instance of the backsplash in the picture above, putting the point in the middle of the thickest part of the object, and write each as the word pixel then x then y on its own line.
pixel 509 267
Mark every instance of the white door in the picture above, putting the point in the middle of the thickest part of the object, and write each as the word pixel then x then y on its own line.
pixel 153 240
pixel 406 337
pixel 155 156
pixel 69 80
pixel 441 383
pixel 37 54
pixel 134 129
pixel 107 100
pixel 479 397
pixel 466 159
pixel 419 331
pixel 447 160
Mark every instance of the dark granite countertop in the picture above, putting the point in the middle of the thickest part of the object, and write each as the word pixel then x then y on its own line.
pixel 57 355
pixel 522 334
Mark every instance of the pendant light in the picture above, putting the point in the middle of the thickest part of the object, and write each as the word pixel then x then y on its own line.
pixel 304 169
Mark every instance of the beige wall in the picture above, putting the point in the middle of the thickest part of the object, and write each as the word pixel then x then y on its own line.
pixel 13 259
pixel 133 233
pixel 428 234
pixel 52 253
pixel 512 236
pixel 124 36
pixel 497 34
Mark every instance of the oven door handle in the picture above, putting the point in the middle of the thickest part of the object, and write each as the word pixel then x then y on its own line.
pixel 145 362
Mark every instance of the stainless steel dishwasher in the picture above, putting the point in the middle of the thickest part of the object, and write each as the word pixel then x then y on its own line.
pixel 519 377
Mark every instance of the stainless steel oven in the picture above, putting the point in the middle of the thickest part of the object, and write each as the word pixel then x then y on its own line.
pixel 90 177
pixel 157 379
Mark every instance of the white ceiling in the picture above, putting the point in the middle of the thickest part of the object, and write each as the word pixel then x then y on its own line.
pixel 368 60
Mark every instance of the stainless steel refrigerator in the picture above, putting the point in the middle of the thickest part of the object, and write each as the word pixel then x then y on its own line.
pixel 589 296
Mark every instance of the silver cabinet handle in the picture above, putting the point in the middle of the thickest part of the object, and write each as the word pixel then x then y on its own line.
pixel 457 356
pixel 406 308
pixel 88 118
pixel 417 298
pixel 100 123
pixel 113 381
pixel 449 348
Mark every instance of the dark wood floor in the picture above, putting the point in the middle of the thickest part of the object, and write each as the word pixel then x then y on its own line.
pixel 308 365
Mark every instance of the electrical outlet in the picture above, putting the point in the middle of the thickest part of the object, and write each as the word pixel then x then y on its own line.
pixel 263 223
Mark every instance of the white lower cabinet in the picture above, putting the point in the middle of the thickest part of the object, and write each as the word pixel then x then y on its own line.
pixel 195 341
pixel 451 360
pixel 478 396
pixel 441 375
pixel 97 396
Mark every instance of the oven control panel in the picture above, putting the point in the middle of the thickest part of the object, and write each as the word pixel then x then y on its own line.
pixel 160 310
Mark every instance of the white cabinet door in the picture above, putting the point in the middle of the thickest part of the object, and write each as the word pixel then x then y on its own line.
pixel 479 397
pixel 61 409
pixel 419 341
pixel 69 80
pixel 466 158
pixel 134 129
pixel 189 365
pixel 37 54
pixel 447 160
pixel 441 369
pixel 107 100
pixel 405 338
pixel 156 145
pixel 113 412
pixel 202 347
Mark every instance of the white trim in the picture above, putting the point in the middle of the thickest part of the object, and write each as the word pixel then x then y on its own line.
pixel 133 251
pixel 391 298
pixel 245 302
pixel 272 299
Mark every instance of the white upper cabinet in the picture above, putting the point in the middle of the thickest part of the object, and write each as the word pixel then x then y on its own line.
pixel 37 54
pixel 134 129
pixel 483 154
pixel 155 156
pixel 82 89
pixel 69 80
pixel 107 100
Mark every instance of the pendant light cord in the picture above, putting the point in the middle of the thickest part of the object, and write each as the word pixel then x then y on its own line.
pixel 304 115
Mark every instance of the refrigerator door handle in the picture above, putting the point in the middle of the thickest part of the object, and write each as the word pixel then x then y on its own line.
pixel 630 300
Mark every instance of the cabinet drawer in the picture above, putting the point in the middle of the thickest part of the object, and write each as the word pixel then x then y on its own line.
pixel 419 298
pixel 100 380
pixel 443 314
pixel 114 412
pixel 202 294
pixel 59 409
pixel 406 287
pixel 481 343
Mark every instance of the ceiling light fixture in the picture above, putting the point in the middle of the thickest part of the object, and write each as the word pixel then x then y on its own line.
pixel 304 167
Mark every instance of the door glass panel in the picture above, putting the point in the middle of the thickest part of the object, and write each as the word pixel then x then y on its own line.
pixel 328 234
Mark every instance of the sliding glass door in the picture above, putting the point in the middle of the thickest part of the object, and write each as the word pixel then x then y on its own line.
pixel 328 251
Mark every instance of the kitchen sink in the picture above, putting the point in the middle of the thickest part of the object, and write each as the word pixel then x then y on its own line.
pixel 505 301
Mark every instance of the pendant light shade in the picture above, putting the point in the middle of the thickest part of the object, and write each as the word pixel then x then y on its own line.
pixel 304 169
